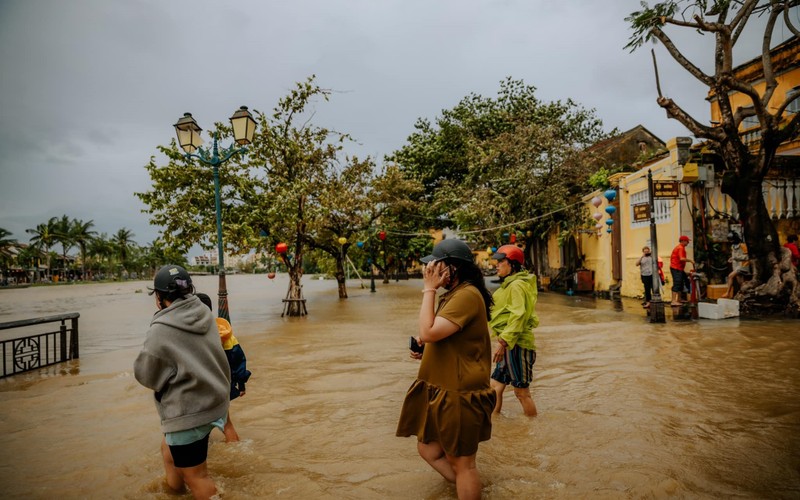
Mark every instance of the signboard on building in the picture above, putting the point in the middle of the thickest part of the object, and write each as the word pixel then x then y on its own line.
pixel 641 212
pixel 666 189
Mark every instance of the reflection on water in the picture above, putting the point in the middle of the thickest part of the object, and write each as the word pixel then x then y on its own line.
pixel 628 409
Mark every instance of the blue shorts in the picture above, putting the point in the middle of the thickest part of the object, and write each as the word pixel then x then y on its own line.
pixel 516 368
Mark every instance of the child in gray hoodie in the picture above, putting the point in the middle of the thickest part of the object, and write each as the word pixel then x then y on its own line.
pixel 184 364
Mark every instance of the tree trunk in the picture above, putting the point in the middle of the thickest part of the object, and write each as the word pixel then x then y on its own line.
pixel 340 276
pixel 295 302
pixel 773 288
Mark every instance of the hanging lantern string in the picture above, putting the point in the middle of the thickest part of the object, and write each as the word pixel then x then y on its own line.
pixel 503 226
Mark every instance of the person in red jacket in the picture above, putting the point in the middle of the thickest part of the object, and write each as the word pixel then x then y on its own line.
pixel 791 244
pixel 677 264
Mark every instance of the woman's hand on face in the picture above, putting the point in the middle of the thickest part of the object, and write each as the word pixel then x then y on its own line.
pixel 435 275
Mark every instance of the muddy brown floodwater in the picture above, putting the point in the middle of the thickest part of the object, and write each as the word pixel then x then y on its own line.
pixel 628 409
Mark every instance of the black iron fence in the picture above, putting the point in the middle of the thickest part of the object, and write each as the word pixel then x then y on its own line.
pixel 42 349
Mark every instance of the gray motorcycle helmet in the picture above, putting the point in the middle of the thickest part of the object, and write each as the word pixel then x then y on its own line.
pixel 454 249
pixel 171 278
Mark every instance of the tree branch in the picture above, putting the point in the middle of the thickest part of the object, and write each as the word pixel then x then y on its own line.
pixel 788 20
pixel 703 25
pixel 681 59
pixel 747 89
pixel 766 57
pixel 687 24
pixel 697 128
pixel 792 129
pixel 655 67
pixel 740 21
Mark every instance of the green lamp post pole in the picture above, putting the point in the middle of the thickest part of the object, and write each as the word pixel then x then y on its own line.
pixel 189 139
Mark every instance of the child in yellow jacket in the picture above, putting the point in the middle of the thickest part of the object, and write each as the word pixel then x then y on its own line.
pixel 237 362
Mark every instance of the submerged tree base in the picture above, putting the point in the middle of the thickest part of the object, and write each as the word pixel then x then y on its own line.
pixel 779 296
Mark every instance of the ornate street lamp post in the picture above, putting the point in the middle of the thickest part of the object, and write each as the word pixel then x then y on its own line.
pixel 189 139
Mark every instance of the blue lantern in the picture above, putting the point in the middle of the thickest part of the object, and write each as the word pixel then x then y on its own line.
pixel 609 230
pixel 609 221
pixel 611 209
pixel 494 249
pixel 360 244
pixel 610 195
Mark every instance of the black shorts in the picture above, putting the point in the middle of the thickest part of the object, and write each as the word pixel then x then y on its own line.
pixel 680 281
pixel 190 455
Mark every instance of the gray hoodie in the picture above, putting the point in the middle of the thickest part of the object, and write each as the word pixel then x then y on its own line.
pixel 183 362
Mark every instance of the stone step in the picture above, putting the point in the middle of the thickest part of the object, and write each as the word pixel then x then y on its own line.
pixel 724 308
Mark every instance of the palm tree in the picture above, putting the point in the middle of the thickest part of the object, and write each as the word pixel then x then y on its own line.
pixel 43 238
pixel 6 246
pixel 123 241
pixel 82 234
pixel 101 249
pixel 63 234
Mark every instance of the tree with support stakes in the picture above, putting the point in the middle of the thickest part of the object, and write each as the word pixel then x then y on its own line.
pixel 774 287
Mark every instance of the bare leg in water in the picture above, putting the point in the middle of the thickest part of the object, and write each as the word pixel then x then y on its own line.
pixel 196 478
pixel 462 471
pixel 231 436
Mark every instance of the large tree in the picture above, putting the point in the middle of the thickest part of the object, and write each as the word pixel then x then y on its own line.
pixel 101 251
pixel 504 162
pixel 81 233
pixel 43 237
pixel 123 245
pixel 350 200
pixel 63 235
pixel 6 246
pixel 745 166
pixel 293 186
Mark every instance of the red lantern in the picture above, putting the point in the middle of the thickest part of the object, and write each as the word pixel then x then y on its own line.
pixel 382 235
pixel 281 248
pixel 271 275
pixel 513 238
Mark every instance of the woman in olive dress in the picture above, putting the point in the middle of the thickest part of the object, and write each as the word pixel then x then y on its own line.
pixel 449 406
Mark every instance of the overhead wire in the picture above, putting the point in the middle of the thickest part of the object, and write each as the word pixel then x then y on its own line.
pixel 494 228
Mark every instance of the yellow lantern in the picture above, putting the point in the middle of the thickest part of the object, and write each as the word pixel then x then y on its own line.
pixel 342 240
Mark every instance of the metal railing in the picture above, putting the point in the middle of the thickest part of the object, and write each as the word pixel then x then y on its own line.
pixel 36 351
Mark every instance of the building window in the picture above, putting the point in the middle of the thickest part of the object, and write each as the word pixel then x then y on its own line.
pixel 750 122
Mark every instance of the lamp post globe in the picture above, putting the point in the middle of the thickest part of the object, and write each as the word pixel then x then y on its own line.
pixel 189 139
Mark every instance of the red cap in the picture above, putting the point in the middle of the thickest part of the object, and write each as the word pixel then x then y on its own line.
pixel 684 238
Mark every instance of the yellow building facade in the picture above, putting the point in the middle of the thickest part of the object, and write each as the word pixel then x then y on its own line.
pixel 612 255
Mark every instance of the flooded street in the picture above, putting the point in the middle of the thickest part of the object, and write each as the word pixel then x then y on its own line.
pixel 627 409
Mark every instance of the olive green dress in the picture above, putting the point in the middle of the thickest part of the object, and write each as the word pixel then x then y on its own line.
pixel 451 401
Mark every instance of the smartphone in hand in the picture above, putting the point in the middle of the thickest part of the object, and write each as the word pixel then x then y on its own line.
pixel 415 346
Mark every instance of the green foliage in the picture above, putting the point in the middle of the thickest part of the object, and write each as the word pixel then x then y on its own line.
pixel 294 185
pixel 599 179
pixel 493 161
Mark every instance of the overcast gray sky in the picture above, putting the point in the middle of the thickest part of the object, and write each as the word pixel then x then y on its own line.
pixel 89 88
